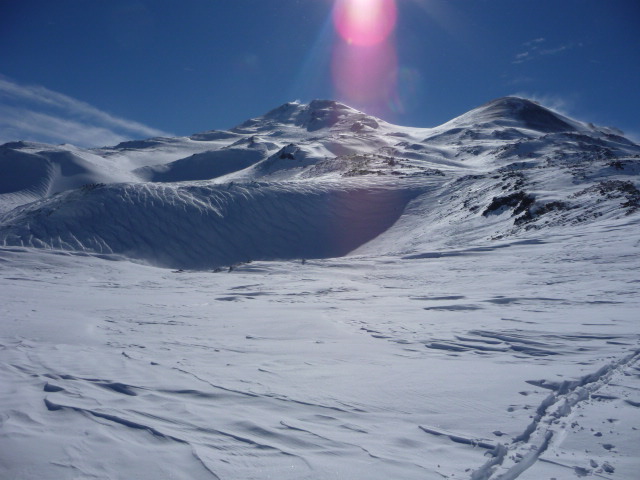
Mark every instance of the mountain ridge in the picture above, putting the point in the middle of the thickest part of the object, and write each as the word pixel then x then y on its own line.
pixel 506 168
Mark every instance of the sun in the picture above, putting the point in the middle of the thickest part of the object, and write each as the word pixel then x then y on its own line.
pixel 365 22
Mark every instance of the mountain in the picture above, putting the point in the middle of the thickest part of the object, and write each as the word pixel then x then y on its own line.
pixel 347 299
pixel 319 180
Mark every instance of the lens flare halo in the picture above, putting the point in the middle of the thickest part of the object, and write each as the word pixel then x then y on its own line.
pixel 365 22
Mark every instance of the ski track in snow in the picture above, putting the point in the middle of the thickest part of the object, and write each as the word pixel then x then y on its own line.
pixel 550 421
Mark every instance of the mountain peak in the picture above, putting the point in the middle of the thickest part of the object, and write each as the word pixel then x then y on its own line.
pixel 519 112
pixel 300 113
pixel 315 115
pixel 319 114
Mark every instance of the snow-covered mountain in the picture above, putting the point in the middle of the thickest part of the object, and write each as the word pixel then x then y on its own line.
pixel 347 299
pixel 319 180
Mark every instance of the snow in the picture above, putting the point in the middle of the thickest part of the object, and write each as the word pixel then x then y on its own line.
pixel 303 312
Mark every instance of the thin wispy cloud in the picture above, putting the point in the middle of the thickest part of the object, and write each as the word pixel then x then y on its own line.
pixel 535 41
pixel 35 113
pixel 538 48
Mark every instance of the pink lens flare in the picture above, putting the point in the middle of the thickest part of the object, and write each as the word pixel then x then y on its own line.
pixel 365 76
pixel 365 22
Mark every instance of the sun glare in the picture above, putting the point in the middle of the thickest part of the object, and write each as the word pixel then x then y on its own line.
pixel 365 22
pixel 365 77
pixel 365 61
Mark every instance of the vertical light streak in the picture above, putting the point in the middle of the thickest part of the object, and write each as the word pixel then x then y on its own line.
pixel 365 60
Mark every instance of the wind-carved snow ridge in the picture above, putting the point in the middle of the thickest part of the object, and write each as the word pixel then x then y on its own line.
pixel 509 461
pixel 209 226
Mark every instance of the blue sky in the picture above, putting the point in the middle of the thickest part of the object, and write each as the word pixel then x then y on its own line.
pixel 93 72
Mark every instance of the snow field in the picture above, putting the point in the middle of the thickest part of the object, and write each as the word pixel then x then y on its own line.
pixel 358 367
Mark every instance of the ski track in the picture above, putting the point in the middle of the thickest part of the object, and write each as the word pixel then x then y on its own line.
pixel 510 461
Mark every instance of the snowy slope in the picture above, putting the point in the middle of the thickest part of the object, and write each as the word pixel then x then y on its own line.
pixel 505 168
pixel 348 299
pixel 209 226
pixel 31 171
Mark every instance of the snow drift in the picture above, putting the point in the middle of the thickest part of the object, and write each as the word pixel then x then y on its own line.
pixel 208 226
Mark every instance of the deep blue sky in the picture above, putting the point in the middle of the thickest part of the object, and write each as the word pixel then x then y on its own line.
pixel 93 72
